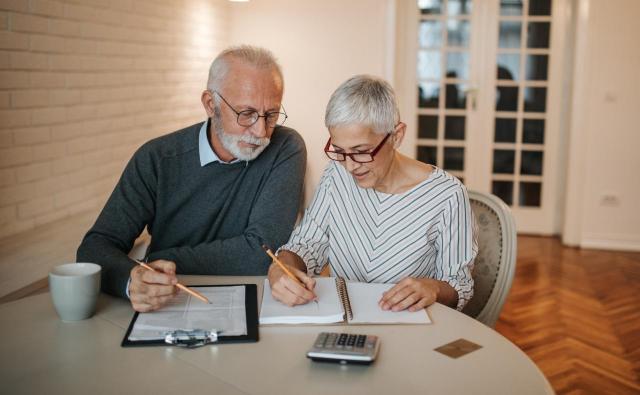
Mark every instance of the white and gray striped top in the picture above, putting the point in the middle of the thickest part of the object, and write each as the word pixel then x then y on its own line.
pixel 370 236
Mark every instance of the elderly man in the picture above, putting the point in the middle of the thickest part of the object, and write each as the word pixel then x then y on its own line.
pixel 210 194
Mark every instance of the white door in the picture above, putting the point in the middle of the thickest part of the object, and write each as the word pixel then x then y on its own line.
pixel 488 76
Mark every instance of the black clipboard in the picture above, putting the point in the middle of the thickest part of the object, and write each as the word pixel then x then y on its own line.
pixel 250 307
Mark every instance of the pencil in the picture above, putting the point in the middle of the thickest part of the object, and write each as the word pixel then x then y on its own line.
pixel 282 265
pixel 182 287
pixel 286 270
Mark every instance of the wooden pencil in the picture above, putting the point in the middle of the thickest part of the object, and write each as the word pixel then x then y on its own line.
pixel 182 287
pixel 282 265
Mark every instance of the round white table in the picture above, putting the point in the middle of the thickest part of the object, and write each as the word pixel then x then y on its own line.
pixel 41 354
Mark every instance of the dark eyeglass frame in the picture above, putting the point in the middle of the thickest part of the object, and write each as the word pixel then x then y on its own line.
pixel 351 155
pixel 255 115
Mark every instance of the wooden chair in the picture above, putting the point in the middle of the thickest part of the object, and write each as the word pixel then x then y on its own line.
pixel 495 263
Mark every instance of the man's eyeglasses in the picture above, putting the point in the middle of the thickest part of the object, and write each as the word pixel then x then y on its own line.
pixel 247 118
pixel 360 157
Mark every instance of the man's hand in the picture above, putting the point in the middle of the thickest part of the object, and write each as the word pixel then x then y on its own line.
pixel 289 291
pixel 149 290
pixel 411 293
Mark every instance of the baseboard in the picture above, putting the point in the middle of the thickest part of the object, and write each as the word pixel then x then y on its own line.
pixel 604 243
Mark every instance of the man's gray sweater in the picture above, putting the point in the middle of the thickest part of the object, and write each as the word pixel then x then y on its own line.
pixel 208 219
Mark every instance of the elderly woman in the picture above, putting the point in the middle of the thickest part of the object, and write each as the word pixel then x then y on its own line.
pixel 378 215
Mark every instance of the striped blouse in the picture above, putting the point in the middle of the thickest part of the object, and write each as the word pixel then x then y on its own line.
pixel 370 236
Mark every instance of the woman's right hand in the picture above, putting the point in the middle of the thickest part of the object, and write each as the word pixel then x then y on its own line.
pixel 289 291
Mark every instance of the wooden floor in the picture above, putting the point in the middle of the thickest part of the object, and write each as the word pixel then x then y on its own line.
pixel 576 313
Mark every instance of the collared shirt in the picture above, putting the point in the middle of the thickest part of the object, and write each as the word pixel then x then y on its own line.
pixel 207 154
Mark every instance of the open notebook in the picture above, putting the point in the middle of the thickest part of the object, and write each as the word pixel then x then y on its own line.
pixel 338 301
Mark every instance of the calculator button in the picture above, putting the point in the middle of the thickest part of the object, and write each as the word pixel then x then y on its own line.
pixel 320 342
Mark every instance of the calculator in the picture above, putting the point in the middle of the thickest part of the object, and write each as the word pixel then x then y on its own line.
pixel 344 348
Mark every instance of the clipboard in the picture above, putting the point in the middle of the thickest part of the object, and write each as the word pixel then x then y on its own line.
pixel 251 311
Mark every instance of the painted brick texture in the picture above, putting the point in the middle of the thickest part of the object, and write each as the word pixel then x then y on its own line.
pixel 83 84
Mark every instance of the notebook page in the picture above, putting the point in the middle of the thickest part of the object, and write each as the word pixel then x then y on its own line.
pixel 327 310
pixel 364 299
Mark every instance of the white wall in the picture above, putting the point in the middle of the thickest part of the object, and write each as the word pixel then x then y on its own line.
pixel 603 189
pixel 319 44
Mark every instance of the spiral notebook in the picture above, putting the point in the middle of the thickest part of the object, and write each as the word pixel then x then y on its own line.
pixel 338 301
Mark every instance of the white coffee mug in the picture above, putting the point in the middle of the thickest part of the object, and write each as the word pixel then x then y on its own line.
pixel 74 289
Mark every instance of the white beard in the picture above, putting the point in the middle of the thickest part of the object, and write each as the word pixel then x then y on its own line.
pixel 230 141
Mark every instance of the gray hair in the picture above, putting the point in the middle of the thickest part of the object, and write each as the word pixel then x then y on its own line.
pixel 255 56
pixel 366 100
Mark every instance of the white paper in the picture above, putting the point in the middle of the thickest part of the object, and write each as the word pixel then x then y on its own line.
pixel 364 299
pixel 328 308
pixel 226 314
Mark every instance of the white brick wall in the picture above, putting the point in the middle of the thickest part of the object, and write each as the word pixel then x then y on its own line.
pixel 83 84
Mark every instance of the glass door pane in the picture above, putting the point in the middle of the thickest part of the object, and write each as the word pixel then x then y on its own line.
pixel 521 101
pixel 443 70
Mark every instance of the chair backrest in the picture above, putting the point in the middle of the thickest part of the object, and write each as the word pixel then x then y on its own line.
pixel 495 263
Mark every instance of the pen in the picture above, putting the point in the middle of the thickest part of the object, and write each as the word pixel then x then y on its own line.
pixel 182 287
pixel 283 267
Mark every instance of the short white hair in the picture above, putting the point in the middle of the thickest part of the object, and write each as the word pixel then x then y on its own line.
pixel 255 56
pixel 365 100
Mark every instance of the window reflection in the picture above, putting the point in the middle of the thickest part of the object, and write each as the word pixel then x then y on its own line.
pixel 508 66
pixel 428 94
pixel 510 7
pixel 505 130
pixel 509 34
pixel 428 154
pixel 458 33
pixel 430 34
pixel 504 161
pixel 533 131
pixel 536 67
pixel 531 163
pixel 530 194
pixel 429 65
pixel 503 190
pixel 454 127
pixel 535 99
pixel 539 7
pixel 507 98
pixel 454 158
pixel 458 65
pixel 459 7
pixel 428 126
pixel 455 96
pixel 538 34
pixel 430 6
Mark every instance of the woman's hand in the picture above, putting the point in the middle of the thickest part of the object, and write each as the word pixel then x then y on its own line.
pixel 411 293
pixel 289 291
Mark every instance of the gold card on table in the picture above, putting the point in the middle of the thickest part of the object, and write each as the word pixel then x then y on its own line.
pixel 458 348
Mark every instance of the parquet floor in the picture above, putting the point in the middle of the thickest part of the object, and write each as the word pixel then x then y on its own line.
pixel 576 313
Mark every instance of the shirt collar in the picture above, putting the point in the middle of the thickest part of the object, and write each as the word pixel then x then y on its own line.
pixel 207 154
